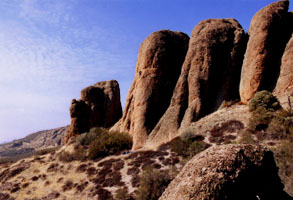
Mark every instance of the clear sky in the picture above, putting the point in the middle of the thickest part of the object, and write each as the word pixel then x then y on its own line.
pixel 51 49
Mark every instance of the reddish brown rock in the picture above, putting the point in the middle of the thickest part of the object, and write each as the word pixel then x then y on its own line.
pixel 284 86
pixel 228 172
pixel 269 32
pixel 210 75
pixel 158 67
pixel 99 106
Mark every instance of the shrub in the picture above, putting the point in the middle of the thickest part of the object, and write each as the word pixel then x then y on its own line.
pixel 180 146
pixel 122 194
pixel 109 144
pixel 196 147
pixel 94 133
pixel 281 126
pixel 187 147
pixel 265 100
pixel 246 138
pixel 78 154
pixel 269 116
pixel 152 184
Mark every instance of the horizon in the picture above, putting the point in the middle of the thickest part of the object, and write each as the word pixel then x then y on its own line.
pixel 50 51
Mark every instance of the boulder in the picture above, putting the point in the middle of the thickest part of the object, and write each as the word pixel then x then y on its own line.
pixel 268 34
pixel 284 87
pixel 210 75
pixel 99 106
pixel 160 58
pixel 228 172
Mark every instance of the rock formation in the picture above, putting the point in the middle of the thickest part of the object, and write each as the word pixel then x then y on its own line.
pixel 228 172
pixel 210 75
pixel 284 86
pixel 158 67
pixel 268 34
pixel 99 106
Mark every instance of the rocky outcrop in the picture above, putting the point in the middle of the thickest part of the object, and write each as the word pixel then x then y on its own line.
pixel 228 172
pixel 99 106
pixel 158 67
pixel 210 75
pixel 268 34
pixel 284 86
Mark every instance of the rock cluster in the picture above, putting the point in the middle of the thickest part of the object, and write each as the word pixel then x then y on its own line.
pixel 158 67
pixel 210 75
pixel 99 106
pixel 228 172
pixel 180 80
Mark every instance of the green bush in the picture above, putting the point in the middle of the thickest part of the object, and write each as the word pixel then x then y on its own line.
pixel 261 119
pixel 187 146
pixel 268 115
pixel 122 194
pixel 281 126
pixel 94 133
pixel 265 100
pixel 109 144
pixel 152 183
pixel 196 147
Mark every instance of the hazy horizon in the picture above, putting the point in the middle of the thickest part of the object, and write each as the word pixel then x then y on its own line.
pixel 51 49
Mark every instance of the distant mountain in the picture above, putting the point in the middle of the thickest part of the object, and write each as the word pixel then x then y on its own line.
pixel 32 143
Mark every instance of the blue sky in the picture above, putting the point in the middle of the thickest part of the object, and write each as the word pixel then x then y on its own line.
pixel 51 49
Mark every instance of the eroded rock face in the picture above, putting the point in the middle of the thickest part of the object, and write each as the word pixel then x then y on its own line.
pixel 210 75
pixel 268 34
pixel 159 63
pixel 284 86
pixel 99 106
pixel 228 172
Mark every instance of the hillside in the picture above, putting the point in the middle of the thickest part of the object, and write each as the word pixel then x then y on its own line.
pixel 36 141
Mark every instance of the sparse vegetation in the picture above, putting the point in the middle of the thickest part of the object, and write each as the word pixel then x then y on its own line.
pixel 152 184
pixel 46 151
pixel 78 154
pixel 246 138
pixel 284 159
